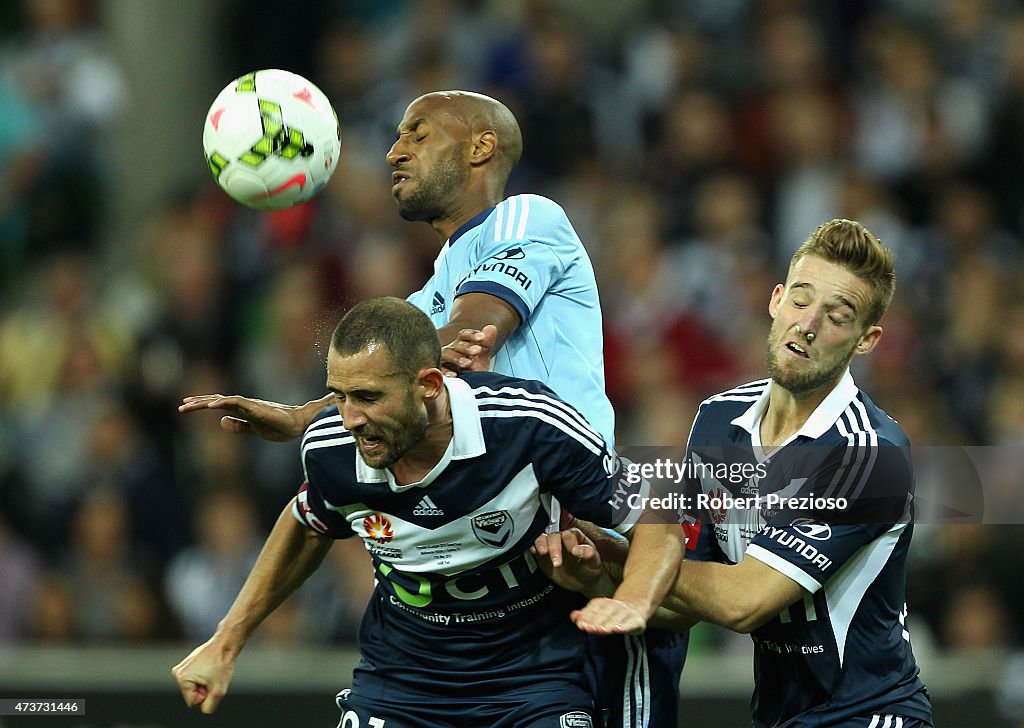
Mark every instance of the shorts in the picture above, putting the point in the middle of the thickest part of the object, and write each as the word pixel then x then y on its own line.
pixel 635 679
pixel 552 709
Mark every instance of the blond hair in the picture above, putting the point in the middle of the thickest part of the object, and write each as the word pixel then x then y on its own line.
pixel 849 244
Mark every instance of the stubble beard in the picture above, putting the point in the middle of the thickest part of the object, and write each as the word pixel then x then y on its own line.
pixel 796 382
pixel 432 194
pixel 406 435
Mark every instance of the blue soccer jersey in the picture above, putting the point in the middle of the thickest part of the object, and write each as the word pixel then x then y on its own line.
pixel 832 509
pixel 460 607
pixel 525 252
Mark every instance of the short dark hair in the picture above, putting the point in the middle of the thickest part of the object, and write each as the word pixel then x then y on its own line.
pixel 406 332
pixel 851 245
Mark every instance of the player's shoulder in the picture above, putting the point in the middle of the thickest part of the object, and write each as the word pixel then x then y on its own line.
pixel 733 402
pixel 863 423
pixel 533 204
pixel 527 216
pixel 491 386
pixel 519 406
pixel 325 435
pixel 887 430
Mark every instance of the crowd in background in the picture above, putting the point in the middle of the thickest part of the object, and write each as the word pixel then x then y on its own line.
pixel 694 144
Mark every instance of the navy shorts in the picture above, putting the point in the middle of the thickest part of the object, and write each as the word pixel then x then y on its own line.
pixel 554 709
pixel 635 679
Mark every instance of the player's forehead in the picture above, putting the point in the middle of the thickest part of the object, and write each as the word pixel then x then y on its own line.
pixel 370 368
pixel 433 108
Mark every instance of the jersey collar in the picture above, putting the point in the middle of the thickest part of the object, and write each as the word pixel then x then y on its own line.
pixel 467 440
pixel 820 421
pixel 470 224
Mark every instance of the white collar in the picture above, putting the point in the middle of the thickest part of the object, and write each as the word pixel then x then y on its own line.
pixel 820 421
pixel 467 440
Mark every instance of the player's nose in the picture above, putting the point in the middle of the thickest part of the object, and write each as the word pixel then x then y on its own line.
pixel 397 154
pixel 352 416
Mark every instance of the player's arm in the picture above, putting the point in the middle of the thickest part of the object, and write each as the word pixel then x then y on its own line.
pixel 248 416
pixel 585 558
pixel 479 325
pixel 649 572
pixel 740 597
pixel 467 338
pixel 291 553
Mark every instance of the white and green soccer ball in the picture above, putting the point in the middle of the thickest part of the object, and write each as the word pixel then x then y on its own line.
pixel 271 139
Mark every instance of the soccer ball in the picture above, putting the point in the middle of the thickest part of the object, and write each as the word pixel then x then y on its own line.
pixel 271 139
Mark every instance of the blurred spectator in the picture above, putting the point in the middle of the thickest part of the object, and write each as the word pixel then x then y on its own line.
pixel 694 138
pixel 203 580
pixel 284 361
pixel 1010 691
pixel 19 574
pixel 61 68
pixel 331 603
pixel 110 586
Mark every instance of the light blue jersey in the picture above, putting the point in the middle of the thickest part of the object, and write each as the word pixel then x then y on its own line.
pixel 525 252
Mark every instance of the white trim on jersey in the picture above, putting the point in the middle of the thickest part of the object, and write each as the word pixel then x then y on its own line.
pixel 330 442
pixel 781 565
pixel 845 591
pixel 863 440
pixel 550 420
pixel 514 396
pixel 890 721
pixel 327 426
pixel 512 226
pixel 858 407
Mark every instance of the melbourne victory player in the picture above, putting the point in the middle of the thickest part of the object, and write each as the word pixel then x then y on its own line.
pixel 821 590
pixel 446 481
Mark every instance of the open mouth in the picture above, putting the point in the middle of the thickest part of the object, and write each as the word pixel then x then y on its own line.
pixel 369 443
pixel 399 178
pixel 797 349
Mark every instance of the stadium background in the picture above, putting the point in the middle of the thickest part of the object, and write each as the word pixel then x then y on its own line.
pixel 694 144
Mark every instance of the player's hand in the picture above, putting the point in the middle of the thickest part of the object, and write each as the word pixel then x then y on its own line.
pixel 204 675
pixel 471 351
pixel 606 615
pixel 248 416
pixel 572 561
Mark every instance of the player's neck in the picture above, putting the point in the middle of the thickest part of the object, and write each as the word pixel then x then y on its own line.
pixel 787 413
pixel 471 205
pixel 421 459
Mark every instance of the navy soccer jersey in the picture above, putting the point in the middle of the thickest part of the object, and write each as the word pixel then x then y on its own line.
pixel 460 606
pixel 831 508
pixel 525 252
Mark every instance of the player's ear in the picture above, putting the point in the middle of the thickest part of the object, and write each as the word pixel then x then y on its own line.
pixel 776 299
pixel 485 145
pixel 430 381
pixel 869 340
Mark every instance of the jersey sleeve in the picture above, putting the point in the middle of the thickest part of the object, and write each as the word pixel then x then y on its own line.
pixel 572 462
pixel 857 495
pixel 528 250
pixel 308 507
pixel 311 504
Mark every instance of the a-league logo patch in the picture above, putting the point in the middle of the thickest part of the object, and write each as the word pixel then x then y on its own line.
pixel 575 719
pixel 493 528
